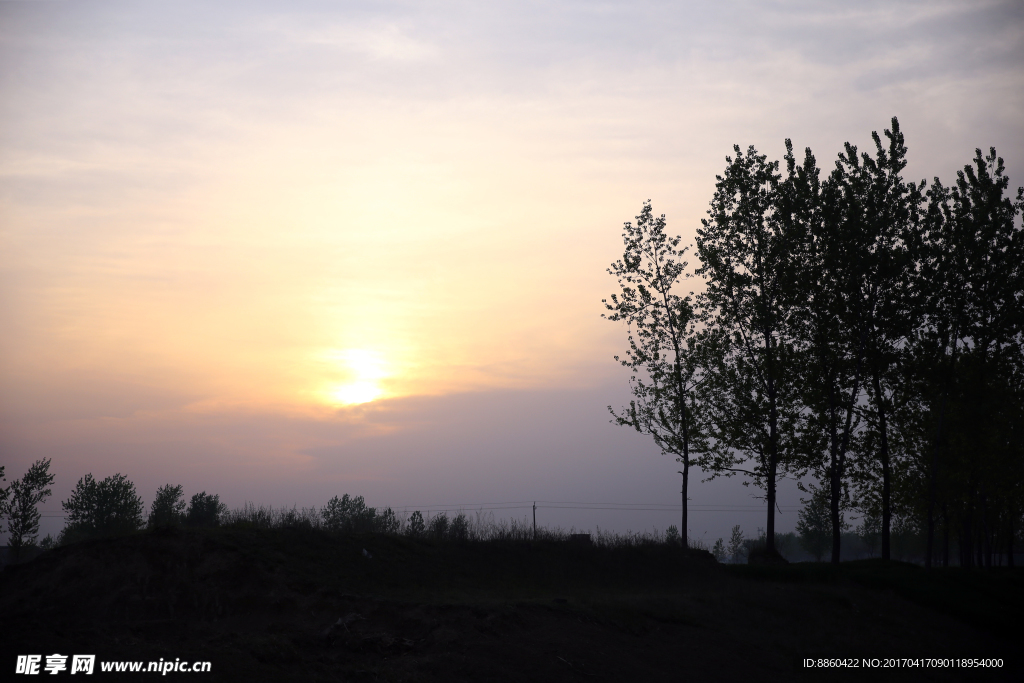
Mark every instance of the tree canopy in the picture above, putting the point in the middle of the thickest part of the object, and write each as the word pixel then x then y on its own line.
pixel 856 331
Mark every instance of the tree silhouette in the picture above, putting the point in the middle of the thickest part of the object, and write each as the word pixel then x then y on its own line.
pixel 661 356
pixel 101 508
pixel 814 523
pixel 168 507
pixel 973 280
pixel 748 254
pixel 22 510
pixel 204 510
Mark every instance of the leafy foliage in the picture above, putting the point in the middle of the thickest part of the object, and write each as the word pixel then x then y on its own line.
pixel 204 510
pixel 102 508
pixel 168 509
pixel 719 551
pixel 349 514
pixel 22 509
pixel 4 493
pixel 661 356
pixel 416 525
pixel 737 550
pixel 749 253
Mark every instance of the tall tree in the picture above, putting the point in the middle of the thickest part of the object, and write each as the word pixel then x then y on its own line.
pixel 660 336
pixel 856 270
pixel 974 284
pixel 877 219
pixel 748 256
pixel 22 510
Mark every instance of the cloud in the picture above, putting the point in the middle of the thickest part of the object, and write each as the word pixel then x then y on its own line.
pixel 198 203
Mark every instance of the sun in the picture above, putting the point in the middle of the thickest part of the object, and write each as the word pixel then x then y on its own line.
pixel 365 369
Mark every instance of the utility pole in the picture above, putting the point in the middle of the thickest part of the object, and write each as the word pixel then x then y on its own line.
pixel 535 520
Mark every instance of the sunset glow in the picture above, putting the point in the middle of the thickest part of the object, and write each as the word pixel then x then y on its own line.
pixel 365 370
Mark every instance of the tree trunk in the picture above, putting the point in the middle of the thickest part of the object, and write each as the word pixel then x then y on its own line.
pixel 840 470
pixel 886 474
pixel 933 470
pixel 773 448
pixel 686 457
pixel 933 473
pixel 685 534
pixel 833 477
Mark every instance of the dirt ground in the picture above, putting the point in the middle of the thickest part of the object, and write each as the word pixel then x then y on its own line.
pixel 269 607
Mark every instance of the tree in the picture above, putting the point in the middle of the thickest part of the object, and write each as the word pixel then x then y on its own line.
pixel 870 531
pixel 458 530
pixel 348 514
pixel 102 508
pixel 660 336
pixel 736 547
pixel 22 512
pixel 862 233
pixel 748 255
pixel 416 524
pixel 204 510
pixel 973 285
pixel 438 526
pixel 168 509
pixel 3 493
pixel 814 523
pixel 719 551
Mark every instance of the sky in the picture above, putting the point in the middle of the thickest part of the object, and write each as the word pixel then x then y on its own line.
pixel 285 251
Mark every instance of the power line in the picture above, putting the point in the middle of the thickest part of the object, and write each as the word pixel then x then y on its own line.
pixel 564 505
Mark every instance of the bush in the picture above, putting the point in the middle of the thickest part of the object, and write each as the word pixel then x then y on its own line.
pixel 387 522
pixel 459 528
pixel 101 508
pixel 349 514
pixel 416 525
pixel 439 526
pixel 168 508
pixel 204 510
pixel 759 554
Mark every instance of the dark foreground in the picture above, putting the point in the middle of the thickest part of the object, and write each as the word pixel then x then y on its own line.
pixel 301 606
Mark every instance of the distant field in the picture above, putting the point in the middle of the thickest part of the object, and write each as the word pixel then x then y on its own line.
pixel 308 605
